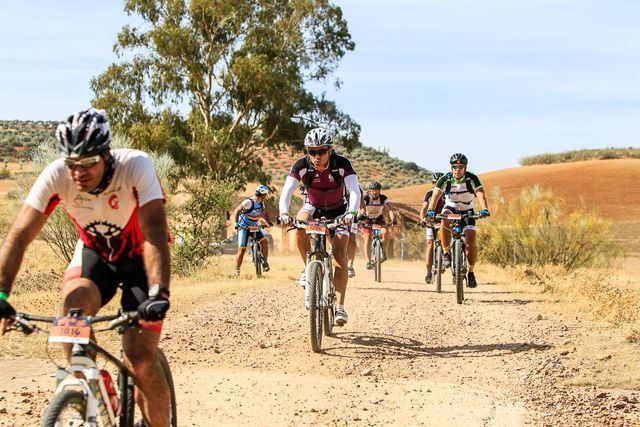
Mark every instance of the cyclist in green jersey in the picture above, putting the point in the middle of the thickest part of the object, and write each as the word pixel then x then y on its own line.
pixel 460 189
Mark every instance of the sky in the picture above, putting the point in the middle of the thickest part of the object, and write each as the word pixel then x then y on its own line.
pixel 497 79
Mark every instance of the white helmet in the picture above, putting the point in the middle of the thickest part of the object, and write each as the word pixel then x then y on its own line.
pixel 262 190
pixel 318 137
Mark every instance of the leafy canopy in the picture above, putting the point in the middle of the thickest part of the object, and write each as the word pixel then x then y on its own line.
pixel 239 67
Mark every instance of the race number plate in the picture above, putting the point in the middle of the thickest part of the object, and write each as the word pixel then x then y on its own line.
pixel 254 229
pixel 454 216
pixel 315 228
pixel 70 330
pixel 377 227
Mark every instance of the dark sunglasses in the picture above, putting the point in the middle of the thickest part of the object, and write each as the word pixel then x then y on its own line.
pixel 457 166
pixel 85 163
pixel 321 152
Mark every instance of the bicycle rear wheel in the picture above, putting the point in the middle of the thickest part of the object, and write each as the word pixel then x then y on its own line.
pixel 458 275
pixel 316 314
pixel 164 363
pixel 377 249
pixel 68 408
pixel 437 262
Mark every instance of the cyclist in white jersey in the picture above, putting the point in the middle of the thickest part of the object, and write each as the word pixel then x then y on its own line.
pixel 460 188
pixel 377 209
pixel 117 204
pixel 247 215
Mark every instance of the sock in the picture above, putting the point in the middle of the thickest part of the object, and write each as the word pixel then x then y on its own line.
pixel 470 268
pixel 446 250
pixel 340 307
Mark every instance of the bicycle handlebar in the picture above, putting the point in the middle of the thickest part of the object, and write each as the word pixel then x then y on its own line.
pixel 24 321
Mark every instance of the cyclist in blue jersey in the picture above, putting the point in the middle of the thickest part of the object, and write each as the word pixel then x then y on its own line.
pixel 246 215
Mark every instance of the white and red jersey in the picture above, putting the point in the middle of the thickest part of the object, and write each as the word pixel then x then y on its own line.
pixel 107 222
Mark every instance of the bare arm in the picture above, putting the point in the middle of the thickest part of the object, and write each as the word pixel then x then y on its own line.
pixel 482 199
pixel 435 196
pixel 153 222
pixel 423 210
pixel 24 229
pixel 236 213
pixel 265 213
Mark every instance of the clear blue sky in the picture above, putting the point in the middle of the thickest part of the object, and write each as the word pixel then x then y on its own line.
pixel 497 80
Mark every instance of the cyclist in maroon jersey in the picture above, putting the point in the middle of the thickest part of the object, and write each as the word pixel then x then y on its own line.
pixel 326 176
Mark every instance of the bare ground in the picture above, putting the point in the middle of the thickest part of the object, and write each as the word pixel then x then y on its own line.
pixel 240 353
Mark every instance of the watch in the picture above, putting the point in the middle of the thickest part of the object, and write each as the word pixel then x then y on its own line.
pixel 155 290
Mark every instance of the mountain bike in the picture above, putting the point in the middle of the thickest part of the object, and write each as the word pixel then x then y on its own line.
pixel 256 248
pixel 458 250
pixel 320 292
pixel 437 267
pixel 85 395
pixel 377 246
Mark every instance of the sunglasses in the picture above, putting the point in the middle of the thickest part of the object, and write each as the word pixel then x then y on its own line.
pixel 85 163
pixel 457 167
pixel 321 152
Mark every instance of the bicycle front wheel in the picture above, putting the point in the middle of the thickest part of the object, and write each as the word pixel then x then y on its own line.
pixel 438 268
pixel 458 275
pixel 377 248
pixel 316 314
pixel 68 408
pixel 130 414
pixel 257 259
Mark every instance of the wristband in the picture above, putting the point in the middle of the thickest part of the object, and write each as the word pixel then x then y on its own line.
pixel 4 296
pixel 354 212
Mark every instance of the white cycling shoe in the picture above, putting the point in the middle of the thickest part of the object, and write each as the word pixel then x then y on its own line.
pixel 341 318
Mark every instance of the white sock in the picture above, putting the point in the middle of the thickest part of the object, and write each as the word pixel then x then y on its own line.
pixel 340 307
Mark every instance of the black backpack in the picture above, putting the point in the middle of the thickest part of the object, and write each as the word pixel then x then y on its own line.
pixel 467 179
pixel 335 172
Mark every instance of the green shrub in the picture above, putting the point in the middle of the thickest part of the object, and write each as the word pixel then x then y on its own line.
pixel 531 230
pixel 198 222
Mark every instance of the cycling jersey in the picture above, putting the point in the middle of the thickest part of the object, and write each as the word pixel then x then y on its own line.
pixel 323 191
pixel 458 195
pixel 439 205
pixel 253 211
pixel 107 222
pixel 373 208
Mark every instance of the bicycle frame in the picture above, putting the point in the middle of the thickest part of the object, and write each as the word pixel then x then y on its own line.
pixel 90 382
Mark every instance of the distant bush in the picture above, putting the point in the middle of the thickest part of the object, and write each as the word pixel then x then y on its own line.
pixel 531 230
pixel 581 155
pixel 414 243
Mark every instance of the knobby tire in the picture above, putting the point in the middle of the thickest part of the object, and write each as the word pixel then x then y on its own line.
pixel 458 253
pixel 438 270
pixel 314 280
pixel 66 399
pixel 377 247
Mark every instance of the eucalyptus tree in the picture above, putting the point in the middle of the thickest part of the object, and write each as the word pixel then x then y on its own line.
pixel 215 81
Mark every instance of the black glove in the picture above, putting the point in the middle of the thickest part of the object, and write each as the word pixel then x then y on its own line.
pixel 6 310
pixel 154 309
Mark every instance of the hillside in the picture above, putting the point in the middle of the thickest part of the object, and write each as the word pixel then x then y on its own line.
pixel 609 187
pixel 18 137
pixel 368 162
pixel 582 155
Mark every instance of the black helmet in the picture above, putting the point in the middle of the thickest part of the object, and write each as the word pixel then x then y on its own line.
pixel 458 159
pixel 436 176
pixel 86 133
pixel 374 185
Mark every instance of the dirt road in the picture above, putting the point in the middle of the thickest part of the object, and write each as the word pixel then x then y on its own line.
pixel 408 356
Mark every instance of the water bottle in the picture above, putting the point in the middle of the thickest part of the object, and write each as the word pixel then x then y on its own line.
pixel 111 390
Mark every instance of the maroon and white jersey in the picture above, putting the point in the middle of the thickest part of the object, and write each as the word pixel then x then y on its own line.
pixel 107 222
pixel 324 192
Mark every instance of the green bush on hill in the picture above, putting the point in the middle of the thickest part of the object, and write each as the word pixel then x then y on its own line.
pixel 580 155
